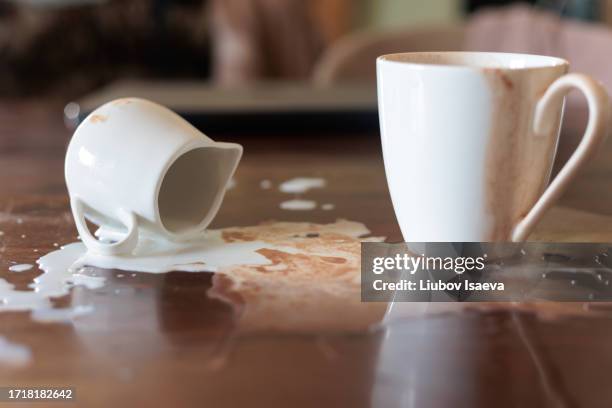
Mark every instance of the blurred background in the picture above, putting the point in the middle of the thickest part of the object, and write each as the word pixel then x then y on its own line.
pixel 66 56
pixel 74 46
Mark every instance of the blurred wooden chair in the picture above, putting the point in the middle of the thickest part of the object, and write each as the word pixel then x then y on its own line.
pixel 352 58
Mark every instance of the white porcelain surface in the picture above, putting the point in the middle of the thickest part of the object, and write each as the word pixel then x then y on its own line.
pixel 469 140
pixel 137 166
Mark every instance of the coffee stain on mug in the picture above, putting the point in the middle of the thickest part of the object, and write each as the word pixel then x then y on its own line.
pixel 504 78
pixel 518 162
pixel 122 101
pixel 97 118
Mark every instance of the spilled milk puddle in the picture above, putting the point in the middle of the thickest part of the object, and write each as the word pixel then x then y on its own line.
pixel 286 276
pixel 279 275
pixel 263 271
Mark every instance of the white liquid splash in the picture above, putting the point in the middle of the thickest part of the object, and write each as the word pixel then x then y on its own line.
pixel 301 185
pixel 66 268
pixel 298 205
pixel 59 276
pixel 20 267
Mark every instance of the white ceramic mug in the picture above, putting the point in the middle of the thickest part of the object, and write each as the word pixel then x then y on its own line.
pixel 137 166
pixel 469 141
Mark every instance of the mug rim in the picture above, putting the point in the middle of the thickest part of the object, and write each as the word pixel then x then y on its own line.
pixel 411 59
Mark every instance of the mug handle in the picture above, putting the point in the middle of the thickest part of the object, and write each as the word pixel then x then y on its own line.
pixel 545 117
pixel 125 245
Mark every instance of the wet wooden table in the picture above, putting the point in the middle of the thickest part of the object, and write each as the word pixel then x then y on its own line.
pixel 159 340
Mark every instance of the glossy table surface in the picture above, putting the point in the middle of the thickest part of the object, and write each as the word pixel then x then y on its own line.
pixel 161 340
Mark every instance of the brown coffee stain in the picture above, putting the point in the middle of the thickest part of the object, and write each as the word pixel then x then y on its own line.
pixel 313 285
pixel 97 118
pixel 332 259
pixel 236 236
pixel 518 162
pixel 504 78
pixel 224 285
pixel 122 101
